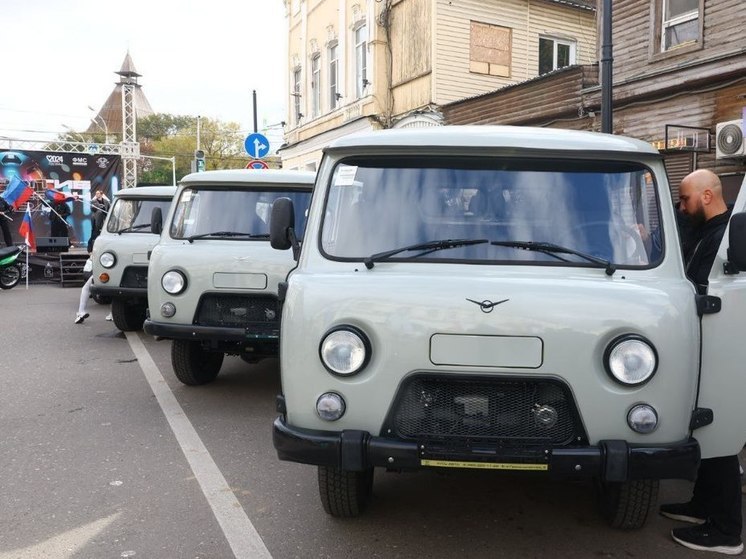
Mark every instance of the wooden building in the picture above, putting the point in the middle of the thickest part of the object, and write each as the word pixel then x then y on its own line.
pixel 356 65
pixel 678 71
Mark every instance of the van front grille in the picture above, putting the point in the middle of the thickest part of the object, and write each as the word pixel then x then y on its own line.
pixel 135 276
pixel 258 314
pixel 510 411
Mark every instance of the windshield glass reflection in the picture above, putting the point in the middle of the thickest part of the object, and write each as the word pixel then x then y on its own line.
pixel 134 215
pixel 602 208
pixel 201 211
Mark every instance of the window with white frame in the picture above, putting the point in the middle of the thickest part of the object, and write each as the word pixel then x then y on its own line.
pixel 361 60
pixel 679 23
pixel 297 114
pixel 316 85
pixel 334 94
pixel 555 53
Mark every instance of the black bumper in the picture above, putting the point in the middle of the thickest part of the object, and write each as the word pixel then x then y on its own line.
pixel 207 333
pixel 612 460
pixel 120 292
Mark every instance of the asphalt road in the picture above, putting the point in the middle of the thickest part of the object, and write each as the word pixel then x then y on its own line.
pixel 104 454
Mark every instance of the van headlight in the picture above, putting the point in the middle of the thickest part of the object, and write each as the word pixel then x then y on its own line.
pixel 344 350
pixel 107 259
pixel 173 282
pixel 630 360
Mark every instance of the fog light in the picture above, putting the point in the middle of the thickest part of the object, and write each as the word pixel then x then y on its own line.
pixel 330 406
pixel 168 310
pixel 642 419
pixel 103 277
pixel 545 416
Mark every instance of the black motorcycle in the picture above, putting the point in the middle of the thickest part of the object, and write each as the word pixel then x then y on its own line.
pixel 10 268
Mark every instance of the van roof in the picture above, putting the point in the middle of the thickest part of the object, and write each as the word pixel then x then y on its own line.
pixel 478 136
pixel 147 192
pixel 249 177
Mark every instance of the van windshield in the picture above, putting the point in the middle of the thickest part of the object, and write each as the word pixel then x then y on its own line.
pixel 603 209
pixel 133 215
pixel 239 215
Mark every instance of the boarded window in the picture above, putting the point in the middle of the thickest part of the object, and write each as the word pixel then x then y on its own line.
pixel 490 49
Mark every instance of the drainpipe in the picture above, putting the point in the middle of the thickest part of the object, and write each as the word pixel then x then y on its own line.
pixel 607 119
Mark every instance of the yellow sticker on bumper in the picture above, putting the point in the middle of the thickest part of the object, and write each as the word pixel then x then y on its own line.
pixel 485 465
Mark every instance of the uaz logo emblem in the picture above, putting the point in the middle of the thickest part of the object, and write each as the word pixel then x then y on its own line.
pixel 486 306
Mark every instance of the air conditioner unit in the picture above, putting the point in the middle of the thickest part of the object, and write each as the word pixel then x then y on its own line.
pixel 729 139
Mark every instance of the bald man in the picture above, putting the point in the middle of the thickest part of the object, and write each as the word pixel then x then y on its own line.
pixel 701 200
pixel 715 507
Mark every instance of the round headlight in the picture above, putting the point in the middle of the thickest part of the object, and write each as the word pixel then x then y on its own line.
pixel 631 360
pixel 345 351
pixel 107 259
pixel 642 418
pixel 330 406
pixel 173 282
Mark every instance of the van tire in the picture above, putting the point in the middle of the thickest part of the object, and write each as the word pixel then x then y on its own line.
pixel 192 364
pixel 345 494
pixel 127 316
pixel 101 299
pixel 626 505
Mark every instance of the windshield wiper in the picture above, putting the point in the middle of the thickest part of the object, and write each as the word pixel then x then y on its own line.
pixel 223 234
pixel 553 250
pixel 133 227
pixel 428 247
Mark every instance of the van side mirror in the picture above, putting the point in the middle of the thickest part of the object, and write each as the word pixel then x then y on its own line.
pixel 156 221
pixel 282 226
pixel 736 244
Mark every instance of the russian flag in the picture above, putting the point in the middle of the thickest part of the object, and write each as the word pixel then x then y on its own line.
pixel 56 196
pixel 26 229
pixel 17 192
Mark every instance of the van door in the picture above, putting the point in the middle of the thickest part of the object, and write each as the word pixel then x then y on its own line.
pixel 723 376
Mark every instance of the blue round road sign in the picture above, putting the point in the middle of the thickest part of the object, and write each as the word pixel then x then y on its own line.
pixel 256 145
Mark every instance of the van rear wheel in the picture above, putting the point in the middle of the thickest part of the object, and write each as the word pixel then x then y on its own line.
pixel 345 494
pixel 192 364
pixel 626 505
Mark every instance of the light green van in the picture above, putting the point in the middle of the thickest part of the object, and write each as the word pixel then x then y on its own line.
pixel 214 275
pixel 505 299
pixel 120 252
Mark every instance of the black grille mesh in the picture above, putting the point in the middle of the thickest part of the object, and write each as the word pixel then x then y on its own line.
pixel 259 313
pixel 135 276
pixel 510 411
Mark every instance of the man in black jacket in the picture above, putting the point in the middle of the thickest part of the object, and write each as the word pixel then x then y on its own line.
pixel 715 506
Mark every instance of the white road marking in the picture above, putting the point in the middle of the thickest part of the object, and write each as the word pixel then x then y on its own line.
pixel 238 529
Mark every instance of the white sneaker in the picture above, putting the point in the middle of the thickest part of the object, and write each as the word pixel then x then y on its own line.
pixel 109 317
pixel 80 317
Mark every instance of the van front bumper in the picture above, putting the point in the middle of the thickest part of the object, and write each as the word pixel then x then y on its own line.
pixel 116 292
pixel 611 460
pixel 208 333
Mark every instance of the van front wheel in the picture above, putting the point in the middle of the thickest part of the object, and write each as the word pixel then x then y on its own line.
pixel 127 316
pixel 192 364
pixel 626 505
pixel 345 494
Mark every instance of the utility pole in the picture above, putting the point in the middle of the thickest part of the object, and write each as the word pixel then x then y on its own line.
pixel 607 118
pixel 254 98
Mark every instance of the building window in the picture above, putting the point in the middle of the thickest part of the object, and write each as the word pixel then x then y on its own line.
pixel 334 94
pixel 315 85
pixel 489 49
pixel 555 54
pixel 361 60
pixel 679 23
pixel 297 114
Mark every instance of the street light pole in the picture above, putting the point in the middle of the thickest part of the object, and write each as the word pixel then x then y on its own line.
pixel 106 128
